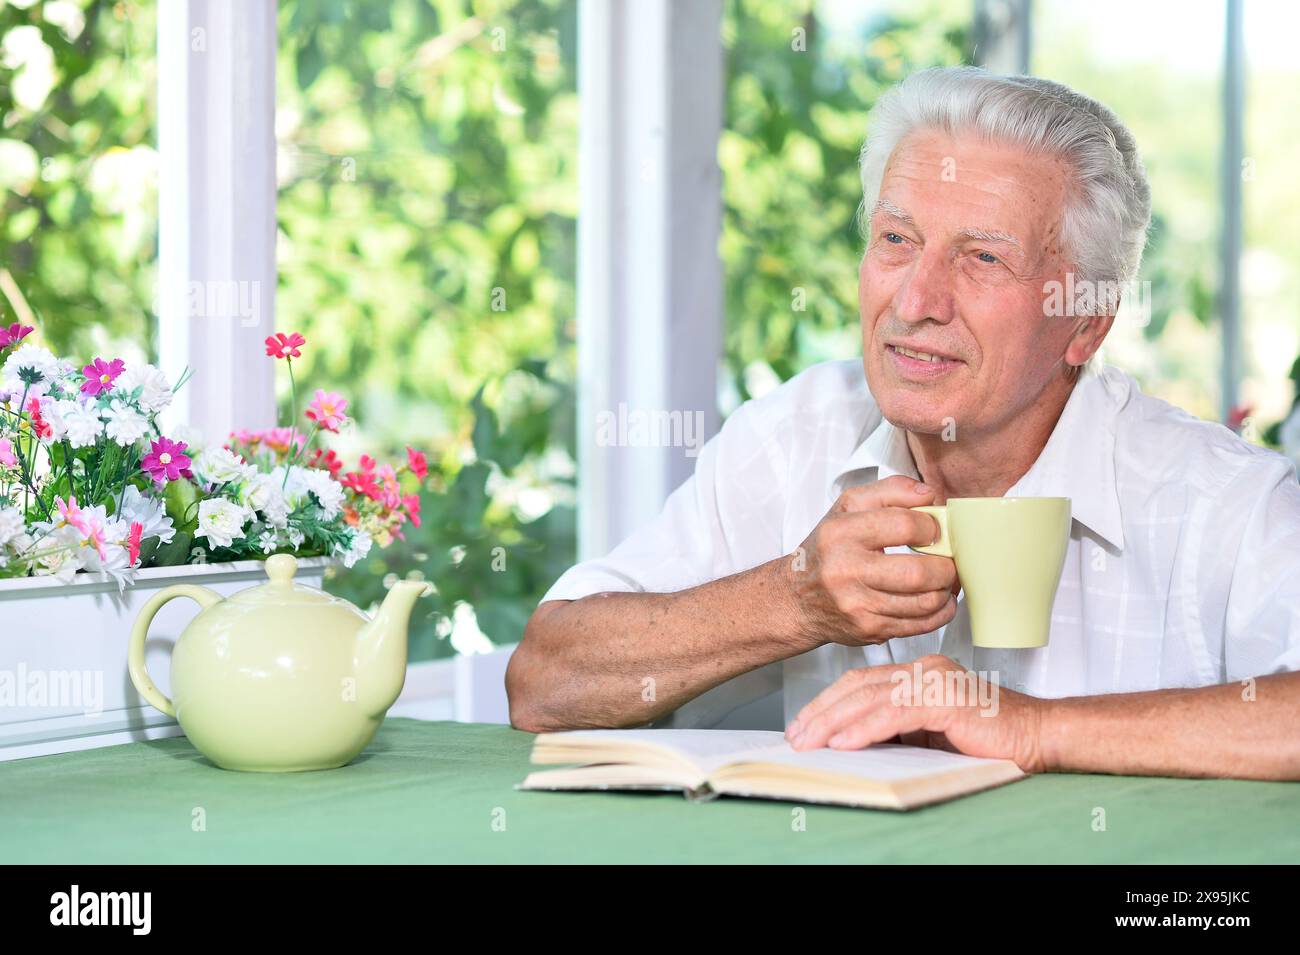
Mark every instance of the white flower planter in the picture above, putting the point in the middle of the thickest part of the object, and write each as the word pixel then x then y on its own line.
pixel 64 683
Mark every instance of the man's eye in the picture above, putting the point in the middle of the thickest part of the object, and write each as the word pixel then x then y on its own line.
pixel 893 238
pixel 988 257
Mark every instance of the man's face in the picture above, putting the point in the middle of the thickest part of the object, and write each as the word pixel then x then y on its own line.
pixel 963 239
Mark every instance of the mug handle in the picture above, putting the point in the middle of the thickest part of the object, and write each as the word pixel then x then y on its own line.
pixel 205 597
pixel 943 546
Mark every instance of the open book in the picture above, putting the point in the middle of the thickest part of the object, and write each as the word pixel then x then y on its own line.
pixel 708 763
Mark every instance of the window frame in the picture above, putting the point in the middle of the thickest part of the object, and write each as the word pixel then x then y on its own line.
pixel 216 209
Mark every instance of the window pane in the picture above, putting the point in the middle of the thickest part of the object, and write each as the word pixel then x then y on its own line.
pixel 427 204
pixel 1174 347
pixel 78 174
pixel 800 80
pixel 1270 262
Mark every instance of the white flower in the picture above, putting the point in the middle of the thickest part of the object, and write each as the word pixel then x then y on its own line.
pixel 53 416
pixel 189 436
pixel 155 392
pixel 295 536
pixel 357 549
pixel 262 494
pixel 82 422
pixel 150 514
pixel 328 491
pixel 221 466
pixel 126 426
pixel 30 368
pixel 104 549
pixel 67 380
pixel 295 486
pixel 11 524
pixel 221 521
pixel 268 541
pixel 60 552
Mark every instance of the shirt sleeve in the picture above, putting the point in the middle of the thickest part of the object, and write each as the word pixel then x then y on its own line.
pixel 725 518
pixel 1262 633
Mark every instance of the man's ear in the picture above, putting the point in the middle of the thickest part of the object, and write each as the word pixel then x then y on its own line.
pixel 1088 335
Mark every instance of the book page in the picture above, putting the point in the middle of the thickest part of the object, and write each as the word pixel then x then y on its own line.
pixel 712 749
pixel 706 749
pixel 885 762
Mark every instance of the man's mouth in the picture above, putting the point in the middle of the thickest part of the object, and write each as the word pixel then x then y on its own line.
pixel 912 353
pixel 920 364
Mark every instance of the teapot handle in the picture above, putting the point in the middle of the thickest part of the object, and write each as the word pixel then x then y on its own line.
pixel 205 597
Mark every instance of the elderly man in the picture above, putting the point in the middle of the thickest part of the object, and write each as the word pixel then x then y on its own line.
pixel 782 566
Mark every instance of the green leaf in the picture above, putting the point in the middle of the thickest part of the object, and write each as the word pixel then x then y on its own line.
pixel 180 498
pixel 173 554
pixel 310 61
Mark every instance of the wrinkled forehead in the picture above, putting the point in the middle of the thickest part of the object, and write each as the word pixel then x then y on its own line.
pixel 969 184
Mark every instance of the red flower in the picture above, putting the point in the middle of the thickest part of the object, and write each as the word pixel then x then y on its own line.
pixel 1237 416
pixel 285 346
pixel 40 426
pixel 133 542
pixel 418 462
pixel 326 461
pixel 412 504
pixel 363 481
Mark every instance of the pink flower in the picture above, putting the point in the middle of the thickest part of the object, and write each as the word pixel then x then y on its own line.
pixel 283 440
pixel 392 496
pixel 94 533
pixel 100 375
pixel 7 457
pixel 285 346
pixel 71 515
pixel 326 409
pixel 166 461
pixel 133 543
pixel 419 463
pixel 14 334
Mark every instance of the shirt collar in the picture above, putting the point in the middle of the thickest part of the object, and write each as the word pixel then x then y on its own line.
pixel 1077 462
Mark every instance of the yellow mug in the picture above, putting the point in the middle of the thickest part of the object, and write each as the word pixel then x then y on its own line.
pixel 1009 553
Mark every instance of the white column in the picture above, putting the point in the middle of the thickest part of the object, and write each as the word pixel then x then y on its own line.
pixel 650 307
pixel 1002 35
pixel 1230 204
pixel 217 188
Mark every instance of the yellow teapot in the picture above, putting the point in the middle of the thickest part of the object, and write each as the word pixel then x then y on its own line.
pixel 281 677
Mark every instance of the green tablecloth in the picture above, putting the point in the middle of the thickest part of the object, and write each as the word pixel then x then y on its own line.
pixel 444 792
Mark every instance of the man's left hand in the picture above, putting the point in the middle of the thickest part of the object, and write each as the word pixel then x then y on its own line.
pixel 934 702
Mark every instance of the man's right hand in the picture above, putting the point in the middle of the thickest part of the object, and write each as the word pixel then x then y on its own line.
pixel 849 591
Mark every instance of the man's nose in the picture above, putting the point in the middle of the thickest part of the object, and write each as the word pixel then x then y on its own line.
pixel 926 293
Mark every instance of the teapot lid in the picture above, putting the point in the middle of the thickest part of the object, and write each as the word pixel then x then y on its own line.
pixel 282 588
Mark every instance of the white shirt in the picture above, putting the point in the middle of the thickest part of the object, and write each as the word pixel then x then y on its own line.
pixel 1183 567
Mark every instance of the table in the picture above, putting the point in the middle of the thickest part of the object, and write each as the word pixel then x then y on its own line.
pixel 434 792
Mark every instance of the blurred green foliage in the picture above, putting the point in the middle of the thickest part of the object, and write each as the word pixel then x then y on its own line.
pixel 800 80
pixel 78 174
pixel 427 210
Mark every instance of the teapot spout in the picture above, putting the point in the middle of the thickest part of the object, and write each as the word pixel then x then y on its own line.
pixel 380 657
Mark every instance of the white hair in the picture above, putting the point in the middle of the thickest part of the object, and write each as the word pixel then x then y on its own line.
pixel 1108 202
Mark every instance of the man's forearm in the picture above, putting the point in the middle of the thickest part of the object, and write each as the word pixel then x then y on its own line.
pixel 1248 730
pixel 625 659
